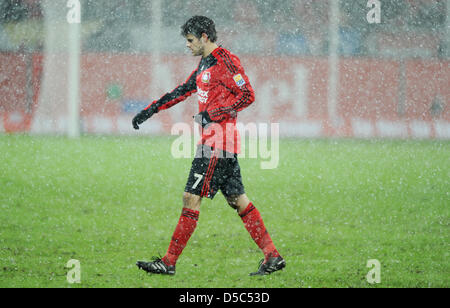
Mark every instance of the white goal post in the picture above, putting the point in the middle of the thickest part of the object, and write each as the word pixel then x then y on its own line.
pixel 58 106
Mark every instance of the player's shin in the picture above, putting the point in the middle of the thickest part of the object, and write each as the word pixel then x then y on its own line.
pixel 183 231
pixel 254 224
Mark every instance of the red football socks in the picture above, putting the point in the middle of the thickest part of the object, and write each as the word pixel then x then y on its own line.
pixel 183 231
pixel 188 222
pixel 255 226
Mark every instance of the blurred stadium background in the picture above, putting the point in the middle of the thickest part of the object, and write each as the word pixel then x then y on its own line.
pixel 319 68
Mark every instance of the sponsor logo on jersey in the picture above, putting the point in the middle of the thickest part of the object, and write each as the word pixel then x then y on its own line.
pixel 239 80
pixel 206 77
pixel 202 96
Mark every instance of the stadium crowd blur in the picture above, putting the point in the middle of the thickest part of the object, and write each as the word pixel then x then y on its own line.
pixel 411 28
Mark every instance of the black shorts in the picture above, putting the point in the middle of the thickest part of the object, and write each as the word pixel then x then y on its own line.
pixel 213 170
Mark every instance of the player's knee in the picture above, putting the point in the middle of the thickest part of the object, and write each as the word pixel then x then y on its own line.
pixel 238 202
pixel 191 201
pixel 232 202
pixel 187 198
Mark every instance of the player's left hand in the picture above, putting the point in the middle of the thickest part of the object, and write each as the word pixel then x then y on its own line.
pixel 203 118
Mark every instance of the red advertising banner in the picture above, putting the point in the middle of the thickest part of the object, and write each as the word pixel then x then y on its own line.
pixel 376 98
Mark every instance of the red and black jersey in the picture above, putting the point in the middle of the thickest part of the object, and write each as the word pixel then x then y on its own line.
pixel 223 90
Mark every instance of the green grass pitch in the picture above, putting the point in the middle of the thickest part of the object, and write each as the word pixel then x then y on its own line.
pixel 330 206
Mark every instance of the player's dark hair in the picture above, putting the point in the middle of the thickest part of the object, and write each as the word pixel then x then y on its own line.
pixel 197 25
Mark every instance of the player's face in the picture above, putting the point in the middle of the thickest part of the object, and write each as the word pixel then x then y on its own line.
pixel 195 45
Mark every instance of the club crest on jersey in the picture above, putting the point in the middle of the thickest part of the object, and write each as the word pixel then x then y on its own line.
pixel 239 80
pixel 206 77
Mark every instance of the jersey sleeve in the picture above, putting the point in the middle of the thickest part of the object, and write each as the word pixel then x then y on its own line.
pixel 178 95
pixel 236 81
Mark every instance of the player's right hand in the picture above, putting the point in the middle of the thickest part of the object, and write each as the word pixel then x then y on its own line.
pixel 144 115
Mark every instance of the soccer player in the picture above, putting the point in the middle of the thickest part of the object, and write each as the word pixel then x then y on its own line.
pixel 223 90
